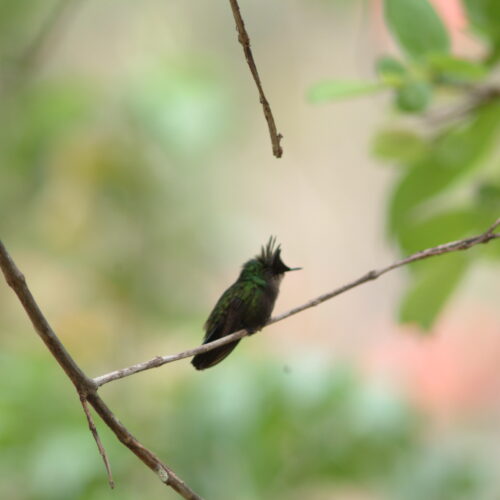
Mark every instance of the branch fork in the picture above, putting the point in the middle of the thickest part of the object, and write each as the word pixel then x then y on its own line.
pixel 87 388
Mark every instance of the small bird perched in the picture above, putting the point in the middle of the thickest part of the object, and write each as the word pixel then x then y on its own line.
pixel 246 304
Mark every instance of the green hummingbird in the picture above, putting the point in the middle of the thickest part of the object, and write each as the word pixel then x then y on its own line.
pixel 246 304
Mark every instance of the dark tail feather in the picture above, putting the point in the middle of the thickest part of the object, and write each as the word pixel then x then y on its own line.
pixel 211 358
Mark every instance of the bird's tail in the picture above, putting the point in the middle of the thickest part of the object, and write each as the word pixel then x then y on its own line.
pixel 211 358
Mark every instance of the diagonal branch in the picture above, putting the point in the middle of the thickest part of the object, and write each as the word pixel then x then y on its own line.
pixel 165 473
pixel 453 246
pixel 85 386
pixel 244 39
pixel 17 282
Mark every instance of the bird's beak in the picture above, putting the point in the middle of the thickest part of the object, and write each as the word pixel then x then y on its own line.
pixel 294 269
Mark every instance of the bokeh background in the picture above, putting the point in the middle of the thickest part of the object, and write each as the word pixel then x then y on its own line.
pixel 136 176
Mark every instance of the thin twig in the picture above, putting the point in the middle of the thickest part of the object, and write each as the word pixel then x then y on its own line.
pixel 87 388
pixel 165 473
pixel 93 430
pixel 453 246
pixel 244 39
pixel 476 98
pixel 84 385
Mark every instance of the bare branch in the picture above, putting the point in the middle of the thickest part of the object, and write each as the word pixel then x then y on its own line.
pixel 165 473
pixel 100 447
pixel 84 385
pixel 244 39
pixel 453 246
pixel 17 282
pixel 87 388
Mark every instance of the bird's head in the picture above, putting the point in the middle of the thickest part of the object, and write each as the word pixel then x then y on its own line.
pixel 268 263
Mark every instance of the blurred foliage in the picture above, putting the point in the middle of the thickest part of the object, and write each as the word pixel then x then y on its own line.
pixel 402 17
pixel 97 182
pixel 261 431
pixel 297 429
pixel 448 179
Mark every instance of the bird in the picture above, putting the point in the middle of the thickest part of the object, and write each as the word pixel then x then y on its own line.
pixel 246 304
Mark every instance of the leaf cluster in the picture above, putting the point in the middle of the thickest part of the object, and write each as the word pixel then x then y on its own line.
pixel 448 184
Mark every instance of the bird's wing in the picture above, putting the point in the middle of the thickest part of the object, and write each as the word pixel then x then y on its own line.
pixel 225 326
pixel 219 324
pixel 222 323
pixel 225 318
pixel 227 314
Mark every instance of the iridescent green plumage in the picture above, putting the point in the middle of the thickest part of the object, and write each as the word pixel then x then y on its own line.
pixel 246 304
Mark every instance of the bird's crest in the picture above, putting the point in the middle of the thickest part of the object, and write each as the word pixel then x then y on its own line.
pixel 268 253
pixel 270 257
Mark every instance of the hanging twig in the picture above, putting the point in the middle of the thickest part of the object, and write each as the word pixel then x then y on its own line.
pixel 244 39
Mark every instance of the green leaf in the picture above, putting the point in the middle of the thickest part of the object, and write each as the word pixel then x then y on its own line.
pixel 492 250
pixel 456 152
pixel 488 194
pixel 456 70
pixel 335 89
pixel 413 96
pixel 437 229
pixel 433 285
pixel 485 18
pixel 398 146
pixel 487 199
pixel 390 70
pixel 416 27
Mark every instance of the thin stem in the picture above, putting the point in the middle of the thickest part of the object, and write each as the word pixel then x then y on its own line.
pixel 244 39
pixel 453 246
